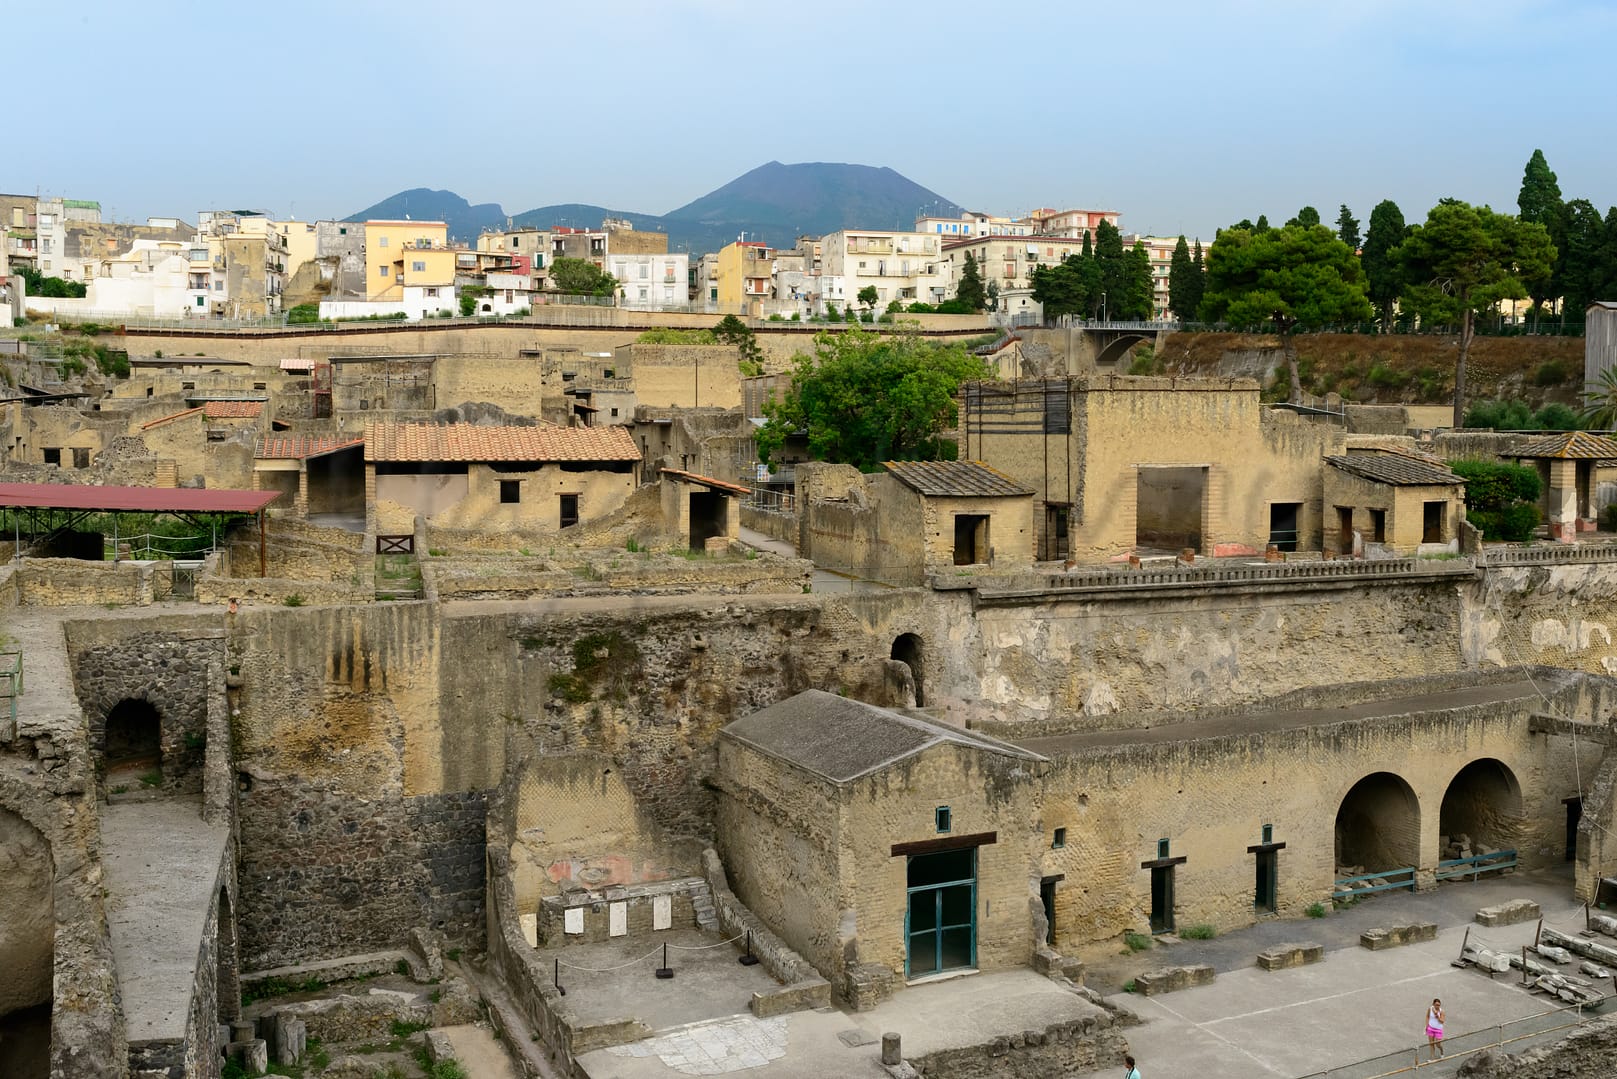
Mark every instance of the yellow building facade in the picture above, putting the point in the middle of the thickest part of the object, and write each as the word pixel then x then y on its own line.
pixel 386 245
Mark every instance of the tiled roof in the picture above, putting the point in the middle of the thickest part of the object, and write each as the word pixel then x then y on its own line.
pixel 232 410
pixel 298 447
pixel 1396 469
pixel 842 739
pixel 955 479
pixel 1571 444
pixel 473 442
pixel 170 419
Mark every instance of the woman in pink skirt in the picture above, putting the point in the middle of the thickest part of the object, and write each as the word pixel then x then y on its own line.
pixel 1434 1029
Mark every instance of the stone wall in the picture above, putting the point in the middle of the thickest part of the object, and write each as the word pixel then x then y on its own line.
pixel 73 582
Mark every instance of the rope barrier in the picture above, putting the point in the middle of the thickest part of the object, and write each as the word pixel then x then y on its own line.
pixel 608 970
pixel 705 947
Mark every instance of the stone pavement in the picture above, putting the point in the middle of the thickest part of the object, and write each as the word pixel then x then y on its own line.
pixel 1354 1006
pixel 161 862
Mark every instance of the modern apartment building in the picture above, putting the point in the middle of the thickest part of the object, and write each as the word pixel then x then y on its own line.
pixel 907 267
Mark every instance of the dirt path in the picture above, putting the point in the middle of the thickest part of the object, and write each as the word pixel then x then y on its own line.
pixel 479 1053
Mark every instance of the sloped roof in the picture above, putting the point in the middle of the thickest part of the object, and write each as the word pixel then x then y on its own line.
pixel 1396 469
pixel 955 479
pixel 1580 445
pixel 298 447
pixel 842 740
pixel 170 419
pixel 74 496
pixel 232 410
pixel 473 442
pixel 722 486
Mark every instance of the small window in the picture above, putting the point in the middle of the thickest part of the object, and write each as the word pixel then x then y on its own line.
pixel 53 456
pixel 381 271
pixel 1378 528
pixel 342 232
pixel 1268 833
pixel 1060 839
pixel 216 436
pixel 200 301
pixel 81 457
pixel 1162 848
pixel 418 266
pixel 945 819
pixel 381 241
pixel 258 385
pixel 188 385
pixel 614 412
pixel 569 510
pixel 510 491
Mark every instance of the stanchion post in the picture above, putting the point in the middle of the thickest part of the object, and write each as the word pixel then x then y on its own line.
pixel 555 976
pixel 749 960
pixel 665 971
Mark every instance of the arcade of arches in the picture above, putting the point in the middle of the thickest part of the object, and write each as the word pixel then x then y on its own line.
pixel 1379 822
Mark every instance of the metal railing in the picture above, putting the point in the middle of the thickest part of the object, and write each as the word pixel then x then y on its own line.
pixel 779 501
pixel 1457 1047
pixel 150 548
pixel 1386 885
pixel 1494 862
pixel 1289 571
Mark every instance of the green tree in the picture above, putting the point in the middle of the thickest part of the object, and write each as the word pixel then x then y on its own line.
pixel 868 296
pixel 1580 253
pixel 1297 277
pixel 1600 402
pixel 732 331
pixel 1262 225
pixel 1184 282
pixel 1384 277
pixel 1086 251
pixel 970 291
pixel 1539 202
pixel 1307 216
pixel 1466 259
pixel 992 293
pixel 1501 500
pixel 1139 287
pixel 581 277
pixel 864 398
pixel 1347 228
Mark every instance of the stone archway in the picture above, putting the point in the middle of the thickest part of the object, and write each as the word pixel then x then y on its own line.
pixel 27 947
pixel 132 747
pixel 1482 810
pixel 909 649
pixel 1378 825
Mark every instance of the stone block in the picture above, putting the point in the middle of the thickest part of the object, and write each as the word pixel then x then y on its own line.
pixel 1282 956
pixel 1394 936
pixel 439 1046
pixel 291 1039
pixel 1509 913
pixel 892 1051
pixel 253 1055
pixel 1171 979
pixel 429 946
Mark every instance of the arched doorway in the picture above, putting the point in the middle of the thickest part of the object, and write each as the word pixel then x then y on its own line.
pixel 1482 810
pixel 132 747
pixel 27 941
pixel 907 649
pixel 1378 825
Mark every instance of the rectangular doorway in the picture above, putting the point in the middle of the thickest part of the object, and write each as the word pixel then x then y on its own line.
pixel 970 539
pixel 941 921
pixel 1344 529
pixel 1047 899
pixel 1574 814
pixel 707 516
pixel 1283 524
pixel 1263 892
pixel 1432 521
pixel 1162 899
pixel 1056 521
pixel 1170 506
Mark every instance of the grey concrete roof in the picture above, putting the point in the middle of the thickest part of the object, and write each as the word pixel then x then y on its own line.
pixel 1396 469
pixel 955 479
pixel 842 740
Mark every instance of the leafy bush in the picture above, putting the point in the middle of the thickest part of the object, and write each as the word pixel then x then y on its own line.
pixel 1556 417
pixel 668 336
pixel 1551 373
pixel 294 600
pixel 1501 500
pixel 1383 377
pixel 919 308
pixel 1199 932
pixel 1499 415
pixel 1316 910
pixel 955 307
pixel 303 314
pixel 1136 942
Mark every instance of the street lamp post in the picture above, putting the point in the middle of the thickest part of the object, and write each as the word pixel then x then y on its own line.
pixel 1103 317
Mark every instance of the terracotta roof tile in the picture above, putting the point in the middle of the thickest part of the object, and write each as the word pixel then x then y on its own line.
pixel 955 479
pixel 708 481
pixel 473 442
pixel 232 410
pixel 298 447
pixel 1579 445
pixel 171 419
pixel 1396 469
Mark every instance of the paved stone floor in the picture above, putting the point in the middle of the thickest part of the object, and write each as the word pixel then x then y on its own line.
pixel 1356 1005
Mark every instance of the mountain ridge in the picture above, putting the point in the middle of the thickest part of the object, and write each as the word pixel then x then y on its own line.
pixel 773 203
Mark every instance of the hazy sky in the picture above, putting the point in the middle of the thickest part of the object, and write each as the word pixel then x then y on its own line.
pixel 1181 115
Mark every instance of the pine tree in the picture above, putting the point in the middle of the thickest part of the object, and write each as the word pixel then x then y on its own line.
pixel 1347 227
pixel 1086 252
pixel 970 291
pixel 1540 203
pixel 1307 216
pixel 1262 225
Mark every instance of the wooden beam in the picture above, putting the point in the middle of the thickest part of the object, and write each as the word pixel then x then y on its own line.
pixel 945 843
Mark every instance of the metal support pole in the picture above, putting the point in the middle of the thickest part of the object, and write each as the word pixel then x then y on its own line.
pixel 555 976
pixel 665 971
pixel 261 566
pixel 749 960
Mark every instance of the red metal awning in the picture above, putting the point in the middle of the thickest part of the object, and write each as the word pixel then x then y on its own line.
pixel 72 496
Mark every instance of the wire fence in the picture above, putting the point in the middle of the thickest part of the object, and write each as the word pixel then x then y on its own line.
pixel 155 548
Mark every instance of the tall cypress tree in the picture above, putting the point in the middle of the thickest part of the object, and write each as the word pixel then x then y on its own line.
pixel 1540 203
pixel 1383 274
pixel 1181 289
pixel 970 291
pixel 1198 281
pixel 1347 227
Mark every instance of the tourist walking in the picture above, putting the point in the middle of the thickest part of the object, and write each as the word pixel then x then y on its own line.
pixel 1130 1071
pixel 1434 1029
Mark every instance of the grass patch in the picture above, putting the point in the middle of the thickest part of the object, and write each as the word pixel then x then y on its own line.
pixel 447 1069
pixel 1129 986
pixel 403 1029
pixel 453 954
pixel 279 987
pixel 1316 910
pixel 1199 932
pixel 1136 942
pixel 152 779
pixel 293 600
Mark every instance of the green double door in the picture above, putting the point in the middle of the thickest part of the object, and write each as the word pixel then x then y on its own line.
pixel 941 922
